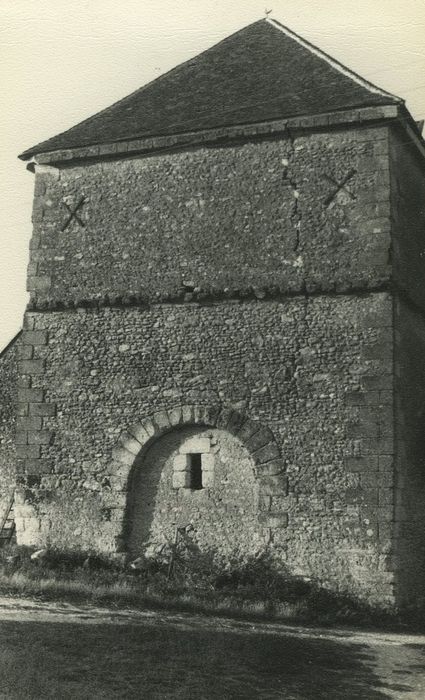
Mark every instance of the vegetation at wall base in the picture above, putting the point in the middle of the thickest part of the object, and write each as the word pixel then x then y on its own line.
pixel 250 589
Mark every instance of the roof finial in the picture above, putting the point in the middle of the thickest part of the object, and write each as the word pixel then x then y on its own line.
pixel 267 12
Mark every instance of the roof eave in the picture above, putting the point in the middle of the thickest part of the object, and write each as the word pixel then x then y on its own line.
pixel 150 144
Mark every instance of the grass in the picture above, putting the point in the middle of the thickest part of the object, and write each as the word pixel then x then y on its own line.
pixel 252 588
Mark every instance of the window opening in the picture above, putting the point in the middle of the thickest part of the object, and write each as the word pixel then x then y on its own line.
pixel 195 467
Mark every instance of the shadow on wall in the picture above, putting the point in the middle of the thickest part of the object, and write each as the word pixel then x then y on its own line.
pixel 198 477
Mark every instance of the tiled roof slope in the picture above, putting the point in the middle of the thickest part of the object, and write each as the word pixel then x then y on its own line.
pixel 261 72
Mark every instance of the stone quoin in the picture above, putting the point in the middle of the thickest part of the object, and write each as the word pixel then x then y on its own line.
pixel 226 326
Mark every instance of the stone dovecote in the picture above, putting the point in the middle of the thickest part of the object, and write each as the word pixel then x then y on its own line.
pixel 226 325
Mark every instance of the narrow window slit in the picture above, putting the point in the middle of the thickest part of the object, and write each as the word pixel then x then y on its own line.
pixel 195 466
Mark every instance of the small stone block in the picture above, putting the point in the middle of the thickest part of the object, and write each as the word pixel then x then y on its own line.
pixel 207 479
pixel 181 463
pixel 31 366
pixel 195 445
pixel 181 480
pixel 207 460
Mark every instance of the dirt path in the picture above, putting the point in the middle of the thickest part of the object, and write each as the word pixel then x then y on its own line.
pixel 83 651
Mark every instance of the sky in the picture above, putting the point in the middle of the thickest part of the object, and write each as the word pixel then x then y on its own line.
pixel 63 61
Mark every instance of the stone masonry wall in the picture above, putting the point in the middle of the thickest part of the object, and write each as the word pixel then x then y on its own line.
pixel 409 530
pixel 407 171
pixel 315 370
pixel 288 214
pixel 8 393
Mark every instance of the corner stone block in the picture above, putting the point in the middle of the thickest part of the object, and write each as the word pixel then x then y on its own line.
pixel 34 338
pixel 39 437
pixel 42 409
pixel 130 443
pixel 180 463
pixel 31 366
pixel 194 445
pixel 25 352
pixel 28 423
pixel 21 437
pixel 27 451
pixel 273 520
pixel 39 284
pixel 31 395
pixel 362 464
pixel 37 466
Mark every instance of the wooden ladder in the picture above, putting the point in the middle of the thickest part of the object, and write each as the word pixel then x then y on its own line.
pixel 7 525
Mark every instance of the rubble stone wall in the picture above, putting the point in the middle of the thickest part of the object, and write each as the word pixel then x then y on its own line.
pixel 309 213
pixel 316 371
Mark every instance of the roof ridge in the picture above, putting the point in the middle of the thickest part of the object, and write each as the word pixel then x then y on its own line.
pixel 333 62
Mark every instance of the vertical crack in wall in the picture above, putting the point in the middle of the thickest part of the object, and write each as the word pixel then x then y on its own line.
pixel 295 215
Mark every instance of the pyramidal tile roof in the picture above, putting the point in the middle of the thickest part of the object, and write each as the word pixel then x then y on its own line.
pixel 262 72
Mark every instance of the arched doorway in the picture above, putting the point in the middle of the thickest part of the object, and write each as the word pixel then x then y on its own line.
pixel 200 477
pixel 235 472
